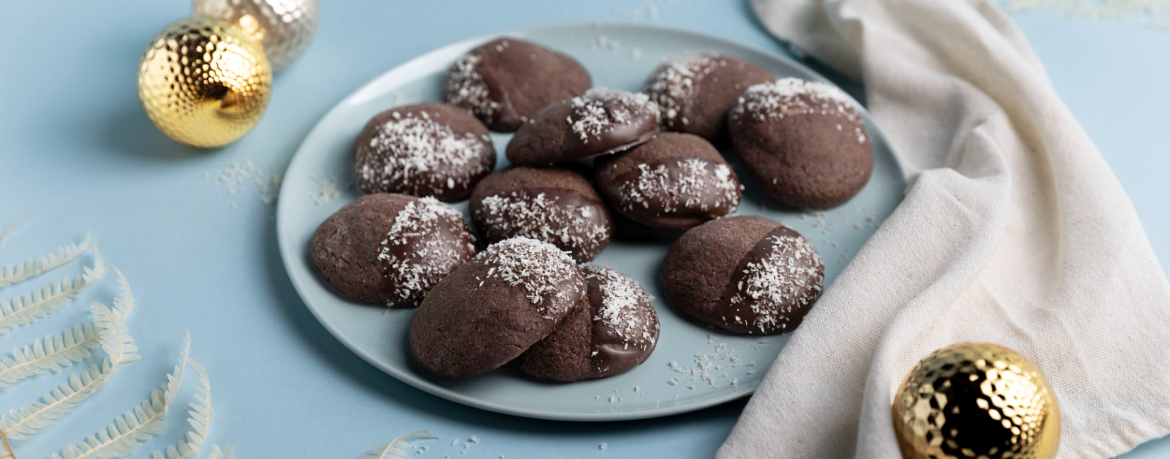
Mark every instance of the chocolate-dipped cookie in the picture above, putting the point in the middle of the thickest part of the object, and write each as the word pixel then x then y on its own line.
pixel 423 150
pixel 493 308
pixel 673 181
pixel 803 141
pixel 694 91
pixel 615 331
pixel 603 121
pixel 743 274
pixel 390 248
pixel 506 81
pixel 553 205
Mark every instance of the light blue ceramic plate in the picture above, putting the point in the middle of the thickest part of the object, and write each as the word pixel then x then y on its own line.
pixel 673 379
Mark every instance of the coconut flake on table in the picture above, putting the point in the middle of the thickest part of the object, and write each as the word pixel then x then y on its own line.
pixel 542 218
pixel 409 146
pixel 794 96
pixel 778 281
pixel 622 300
pixel 682 187
pixel 601 110
pixel 538 267
pixel 417 226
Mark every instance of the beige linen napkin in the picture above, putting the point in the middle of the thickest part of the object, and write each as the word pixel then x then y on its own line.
pixel 1013 231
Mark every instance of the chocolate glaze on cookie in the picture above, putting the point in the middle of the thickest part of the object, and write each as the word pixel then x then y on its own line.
pixel 506 81
pixel 553 205
pixel 613 332
pixel 743 274
pixel 423 150
pixel 673 181
pixel 493 308
pixel 694 91
pixel 803 141
pixel 390 248
pixel 601 122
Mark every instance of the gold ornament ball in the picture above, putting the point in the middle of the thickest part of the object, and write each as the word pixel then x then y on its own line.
pixel 976 400
pixel 283 27
pixel 203 82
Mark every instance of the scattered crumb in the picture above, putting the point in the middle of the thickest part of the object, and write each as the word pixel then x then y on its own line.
pixel 454 442
pixel 326 189
pixel 235 176
pixel 602 446
pixel 474 439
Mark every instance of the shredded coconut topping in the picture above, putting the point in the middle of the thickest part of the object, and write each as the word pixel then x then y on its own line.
pixel 687 186
pixel 601 110
pixel 540 268
pixel 466 87
pixel 434 251
pixel 793 96
pixel 790 275
pixel 543 218
pixel 622 302
pixel 674 82
pixel 419 154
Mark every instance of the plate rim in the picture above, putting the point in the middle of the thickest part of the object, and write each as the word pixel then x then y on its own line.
pixel 288 254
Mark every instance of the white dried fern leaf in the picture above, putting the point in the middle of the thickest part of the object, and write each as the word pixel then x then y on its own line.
pixel 200 417
pixel 15 273
pixel 225 453
pixel 396 449
pixel 128 431
pixel 124 303
pixel 120 350
pixel 51 353
pixel 4 234
pixel 50 298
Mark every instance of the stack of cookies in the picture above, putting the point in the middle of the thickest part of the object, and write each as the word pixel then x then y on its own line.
pixel 586 162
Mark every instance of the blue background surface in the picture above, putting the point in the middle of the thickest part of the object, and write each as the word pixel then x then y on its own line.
pixel 75 143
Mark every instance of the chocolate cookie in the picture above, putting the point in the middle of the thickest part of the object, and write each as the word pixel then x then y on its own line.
pixel 553 205
pixel 743 274
pixel 603 121
pixel 694 91
pixel 390 248
pixel 673 181
pixel 615 330
pixel 506 81
pixel 493 308
pixel 803 141
pixel 423 150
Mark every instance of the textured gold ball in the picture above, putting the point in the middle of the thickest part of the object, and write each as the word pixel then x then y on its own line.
pixel 203 82
pixel 975 400
pixel 283 27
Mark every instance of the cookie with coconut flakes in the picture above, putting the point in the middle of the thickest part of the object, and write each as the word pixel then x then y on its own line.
pixel 601 122
pixel 423 150
pixel 694 91
pixel 390 248
pixel 615 331
pixel 505 81
pixel 743 274
pixel 493 308
pixel 804 142
pixel 553 205
pixel 674 181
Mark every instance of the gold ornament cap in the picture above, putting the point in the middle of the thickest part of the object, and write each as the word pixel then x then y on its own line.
pixel 976 400
pixel 204 82
pixel 283 27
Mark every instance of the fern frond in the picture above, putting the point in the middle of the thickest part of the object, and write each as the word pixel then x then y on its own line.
pixel 48 299
pixel 8 230
pixel 128 431
pixel 51 353
pixel 200 417
pixel 124 303
pixel 119 348
pixel 225 453
pixel 395 449
pixel 16 273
